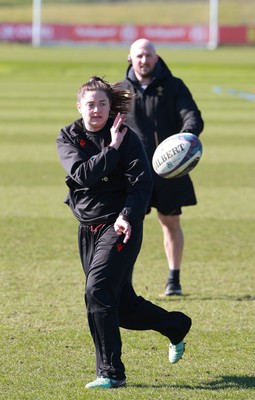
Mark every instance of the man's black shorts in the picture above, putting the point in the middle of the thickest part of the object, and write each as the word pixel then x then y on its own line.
pixel 169 195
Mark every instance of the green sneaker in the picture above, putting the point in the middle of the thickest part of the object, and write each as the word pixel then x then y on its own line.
pixel 176 351
pixel 102 382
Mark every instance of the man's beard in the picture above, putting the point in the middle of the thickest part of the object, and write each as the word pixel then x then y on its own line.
pixel 147 73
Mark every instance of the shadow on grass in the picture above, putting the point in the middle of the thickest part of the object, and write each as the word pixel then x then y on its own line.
pixel 232 381
pixel 220 383
pixel 205 298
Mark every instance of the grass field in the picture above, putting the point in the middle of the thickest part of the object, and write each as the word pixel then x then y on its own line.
pixel 231 12
pixel 47 352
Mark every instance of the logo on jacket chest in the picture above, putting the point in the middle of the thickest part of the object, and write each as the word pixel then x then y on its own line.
pixel 160 91
pixel 82 142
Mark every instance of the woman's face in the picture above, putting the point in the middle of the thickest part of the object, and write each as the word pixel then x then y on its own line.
pixel 94 108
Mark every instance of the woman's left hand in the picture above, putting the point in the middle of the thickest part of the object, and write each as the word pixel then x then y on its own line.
pixel 122 226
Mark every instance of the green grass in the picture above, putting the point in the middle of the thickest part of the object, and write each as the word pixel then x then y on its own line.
pixel 231 12
pixel 47 352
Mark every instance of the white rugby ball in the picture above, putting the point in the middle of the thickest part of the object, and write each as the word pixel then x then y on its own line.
pixel 177 155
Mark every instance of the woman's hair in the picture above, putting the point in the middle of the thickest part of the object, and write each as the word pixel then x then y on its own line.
pixel 119 98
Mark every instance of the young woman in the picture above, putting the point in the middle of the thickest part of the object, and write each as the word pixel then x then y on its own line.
pixel 110 186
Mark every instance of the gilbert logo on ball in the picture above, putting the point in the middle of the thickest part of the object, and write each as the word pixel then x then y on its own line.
pixel 177 155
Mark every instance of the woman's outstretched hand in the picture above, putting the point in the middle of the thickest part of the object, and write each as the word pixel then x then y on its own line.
pixel 116 134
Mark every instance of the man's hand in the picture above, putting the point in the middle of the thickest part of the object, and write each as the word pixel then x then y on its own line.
pixel 122 226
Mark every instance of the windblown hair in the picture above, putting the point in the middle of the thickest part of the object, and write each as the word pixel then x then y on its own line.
pixel 120 98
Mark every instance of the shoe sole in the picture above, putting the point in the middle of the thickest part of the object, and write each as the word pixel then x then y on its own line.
pixel 179 356
pixel 113 385
pixel 175 293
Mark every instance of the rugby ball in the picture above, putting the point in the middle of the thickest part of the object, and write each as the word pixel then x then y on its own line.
pixel 177 155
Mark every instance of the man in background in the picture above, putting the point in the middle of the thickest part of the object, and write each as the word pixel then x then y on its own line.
pixel 162 106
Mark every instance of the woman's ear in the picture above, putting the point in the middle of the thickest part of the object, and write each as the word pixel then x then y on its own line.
pixel 129 59
pixel 78 106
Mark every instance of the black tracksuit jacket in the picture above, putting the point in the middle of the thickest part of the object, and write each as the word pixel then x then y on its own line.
pixel 164 108
pixel 104 182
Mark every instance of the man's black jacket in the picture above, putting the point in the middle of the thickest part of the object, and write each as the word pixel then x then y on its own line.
pixel 164 108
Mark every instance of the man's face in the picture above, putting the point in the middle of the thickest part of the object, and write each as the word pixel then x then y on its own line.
pixel 143 59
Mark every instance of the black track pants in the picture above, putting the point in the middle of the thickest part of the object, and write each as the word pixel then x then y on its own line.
pixel 111 300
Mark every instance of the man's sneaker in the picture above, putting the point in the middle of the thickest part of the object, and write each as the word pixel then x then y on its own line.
pixel 105 383
pixel 173 289
pixel 176 351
